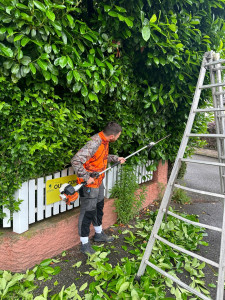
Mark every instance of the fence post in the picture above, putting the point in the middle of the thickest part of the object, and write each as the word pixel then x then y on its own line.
pixel 21 218
pixel 6 220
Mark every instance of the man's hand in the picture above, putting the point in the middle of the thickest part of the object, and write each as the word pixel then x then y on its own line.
pixel 90 180
pixel 122 160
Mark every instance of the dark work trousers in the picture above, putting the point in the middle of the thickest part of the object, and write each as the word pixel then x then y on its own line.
pixel 91 208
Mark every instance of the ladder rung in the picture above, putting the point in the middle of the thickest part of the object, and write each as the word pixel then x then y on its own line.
pixel 215 62
pixel 212 85
pixel 209 109
pixel 203 162
pixel 199 191
pixel 219 93
pixel 206 260
pixel 218 68
pixel 192 222
pixel 216 135
pixel 184 285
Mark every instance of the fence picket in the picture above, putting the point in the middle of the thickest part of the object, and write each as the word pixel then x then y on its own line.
pixel 56 204
pixel 40 199
pixel 6 220
pixel 31 194
pixel 76 203
pixel 20 218
pixel 48 208
pixel 63 203
pixel 34 197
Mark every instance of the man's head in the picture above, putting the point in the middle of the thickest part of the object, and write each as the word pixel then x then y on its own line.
pixel 112 131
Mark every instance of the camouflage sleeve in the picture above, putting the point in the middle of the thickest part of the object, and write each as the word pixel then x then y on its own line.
pixel 83 155
pixel 112 158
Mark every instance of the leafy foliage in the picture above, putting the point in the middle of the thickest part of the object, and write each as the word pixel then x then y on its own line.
pixel 128 194
pixel 67 69
pixel 118 282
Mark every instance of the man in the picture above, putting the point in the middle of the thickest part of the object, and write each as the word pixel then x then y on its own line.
pixel 93 157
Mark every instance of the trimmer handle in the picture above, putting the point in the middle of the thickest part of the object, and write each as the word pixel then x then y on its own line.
pixel 117 163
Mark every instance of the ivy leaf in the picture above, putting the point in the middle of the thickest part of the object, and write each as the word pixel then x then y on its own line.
pixel 156 60
pixel 47 75
pixel 173 27
pixel 69 76
pixel 129 22
pixel 146 33
pixel 77 265
pixel 93 97
pixel 113 14
pixel 179 45
pixel 40 5
pixel 83 287
pixel 8 64
pixel 32 67
pixel 69 61
pixel 124 287
pixel 153 19
pixel 120 9
pixel 84 91
pixel 25 60
pixel 15 68
pixel 64 38
pixel 42 64
pixel 80 45
pixel 109 65
pixel 63 61
pixel 24 41
pixel 107 8
pixel 70 19
pixel 6 50
pixel 161 100
pixel 76 75
pixel 50 15
pixel 18 37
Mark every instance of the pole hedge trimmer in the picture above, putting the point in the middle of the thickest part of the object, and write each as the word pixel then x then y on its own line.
pixel 69 194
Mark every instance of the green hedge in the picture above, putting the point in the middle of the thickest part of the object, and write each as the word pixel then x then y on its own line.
pixel 67 68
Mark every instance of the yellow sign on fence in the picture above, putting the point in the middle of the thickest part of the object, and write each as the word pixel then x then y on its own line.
pixel 53 186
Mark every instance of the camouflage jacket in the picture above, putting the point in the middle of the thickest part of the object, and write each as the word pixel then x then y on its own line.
pixel 85 153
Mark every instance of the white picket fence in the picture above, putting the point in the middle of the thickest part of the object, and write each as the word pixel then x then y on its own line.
pixel 34 207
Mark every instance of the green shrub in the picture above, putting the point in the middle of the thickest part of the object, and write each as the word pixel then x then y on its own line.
pixel 68 68
pixel 128 194
pixel 180 196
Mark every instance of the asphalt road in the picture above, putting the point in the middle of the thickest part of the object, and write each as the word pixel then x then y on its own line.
pixel 208 208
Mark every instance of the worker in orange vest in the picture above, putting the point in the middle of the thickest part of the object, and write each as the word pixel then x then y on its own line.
pixel 93 157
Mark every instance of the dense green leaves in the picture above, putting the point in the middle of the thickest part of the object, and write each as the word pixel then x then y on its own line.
pixel 66 70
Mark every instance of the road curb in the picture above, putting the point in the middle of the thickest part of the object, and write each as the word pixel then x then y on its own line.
pixel 206 152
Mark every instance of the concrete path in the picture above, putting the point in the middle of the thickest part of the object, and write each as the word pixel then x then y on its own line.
pixel 209 209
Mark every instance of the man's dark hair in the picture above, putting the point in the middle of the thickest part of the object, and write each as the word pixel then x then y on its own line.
pixel 112 128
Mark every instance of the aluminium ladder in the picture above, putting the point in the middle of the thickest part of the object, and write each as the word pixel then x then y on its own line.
pixel 213 64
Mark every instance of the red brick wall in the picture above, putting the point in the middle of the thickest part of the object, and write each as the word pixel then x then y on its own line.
pixel 50 237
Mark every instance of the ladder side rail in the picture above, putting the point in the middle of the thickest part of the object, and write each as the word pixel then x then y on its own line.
pixel 215 104
pixel 206 260
pixel 221 272
pixel 187 287
pixel 169 188
pixel 193 223
pixel 222 126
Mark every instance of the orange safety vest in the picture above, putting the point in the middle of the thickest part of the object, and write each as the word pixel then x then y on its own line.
pixel 98 162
